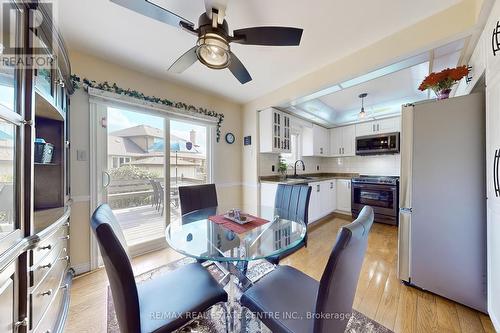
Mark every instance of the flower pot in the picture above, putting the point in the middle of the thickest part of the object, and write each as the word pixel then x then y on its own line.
pixel 443 94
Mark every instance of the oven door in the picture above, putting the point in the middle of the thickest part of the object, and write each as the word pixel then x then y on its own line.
pixel 382 198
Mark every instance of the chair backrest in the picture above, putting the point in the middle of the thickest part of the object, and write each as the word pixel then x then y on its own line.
pixel 114 253
pixel 340 278
pixel 292 202
pixel 197 197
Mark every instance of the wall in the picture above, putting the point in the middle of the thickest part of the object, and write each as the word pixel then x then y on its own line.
pixel 380 165
pixel 456 22
pixel 226 176
pixel 266 161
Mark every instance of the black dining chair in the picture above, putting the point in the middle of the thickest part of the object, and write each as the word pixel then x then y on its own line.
pixel 292 203
pixel 197 197
pixel 323 307
pixel 162 304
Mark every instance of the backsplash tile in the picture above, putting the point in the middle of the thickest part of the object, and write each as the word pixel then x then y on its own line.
pixel 383 165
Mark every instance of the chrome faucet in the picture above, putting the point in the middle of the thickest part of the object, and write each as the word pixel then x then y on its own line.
pixel 295 167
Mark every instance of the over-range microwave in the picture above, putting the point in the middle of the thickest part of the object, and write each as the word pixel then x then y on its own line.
pixel 378 144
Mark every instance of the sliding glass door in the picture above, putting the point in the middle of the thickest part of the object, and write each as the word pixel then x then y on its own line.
pixel 189 163
pixel 144 148
pixel 134 177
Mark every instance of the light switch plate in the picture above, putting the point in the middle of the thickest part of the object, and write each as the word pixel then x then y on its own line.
pixel 81 155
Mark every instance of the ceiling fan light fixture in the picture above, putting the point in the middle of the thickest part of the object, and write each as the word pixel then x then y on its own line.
pixel 213 51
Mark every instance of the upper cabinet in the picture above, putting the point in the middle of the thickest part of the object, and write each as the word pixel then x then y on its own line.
pixel 343 141
pixel 382 126
pixel 274 131
pixel 491 40
pixel 315 141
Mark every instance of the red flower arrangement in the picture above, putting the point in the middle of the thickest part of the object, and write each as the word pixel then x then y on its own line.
pixel 443 81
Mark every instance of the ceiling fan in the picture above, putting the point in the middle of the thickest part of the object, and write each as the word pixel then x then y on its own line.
pixel 212 48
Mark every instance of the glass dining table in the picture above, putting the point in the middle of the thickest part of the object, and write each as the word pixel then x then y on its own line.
pixel 197 236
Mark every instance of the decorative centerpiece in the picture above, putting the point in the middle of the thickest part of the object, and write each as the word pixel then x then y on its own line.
pixel 442 82
pixel 282 168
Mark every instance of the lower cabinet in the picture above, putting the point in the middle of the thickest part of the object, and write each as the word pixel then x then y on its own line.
pixel 344 195
pixel 323 199
pixel 7 300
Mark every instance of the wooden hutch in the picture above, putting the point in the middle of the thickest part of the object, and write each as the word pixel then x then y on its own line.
pixel 35 274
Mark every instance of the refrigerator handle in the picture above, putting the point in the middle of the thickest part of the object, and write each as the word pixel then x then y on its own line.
pixel 496 181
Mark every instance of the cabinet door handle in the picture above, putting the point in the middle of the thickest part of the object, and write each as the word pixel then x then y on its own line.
pixel 340 151
pixel 495 43
pixel 65 237
pixel 378 127
pixel 496 181
pixel 343 151
pixel 373 127
pixel 317 188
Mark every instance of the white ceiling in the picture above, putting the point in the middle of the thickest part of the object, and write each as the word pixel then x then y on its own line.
pixel 387 88
pixel 332 29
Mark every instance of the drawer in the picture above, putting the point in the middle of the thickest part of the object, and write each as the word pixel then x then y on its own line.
pixel 40 270
pixel 42 295
pixel 48 244
pixel 49 319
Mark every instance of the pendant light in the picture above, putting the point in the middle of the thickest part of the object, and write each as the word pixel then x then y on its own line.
pixel 362 113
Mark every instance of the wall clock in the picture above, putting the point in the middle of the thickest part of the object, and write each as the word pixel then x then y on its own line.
pixel 230 138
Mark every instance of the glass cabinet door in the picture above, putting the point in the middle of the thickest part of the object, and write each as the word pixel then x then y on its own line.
pixel 10 120
pixel 7 178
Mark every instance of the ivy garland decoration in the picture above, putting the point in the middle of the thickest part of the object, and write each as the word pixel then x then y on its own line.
pixel 114 88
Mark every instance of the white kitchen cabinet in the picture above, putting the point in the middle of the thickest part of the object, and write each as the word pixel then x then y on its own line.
pixel 268 194
pixel 343 141
pixel 382 126
pixel 493 194
pixel 315 141
pixel 315 202
pixel 274 131
pixel 323 199
pixel 344 195
pixel 490 42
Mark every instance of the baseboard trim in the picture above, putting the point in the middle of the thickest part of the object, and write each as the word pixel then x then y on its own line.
pixel 81 268
pixel 495 321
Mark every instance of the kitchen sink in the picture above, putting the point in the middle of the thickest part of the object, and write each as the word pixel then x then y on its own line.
pixel 299 177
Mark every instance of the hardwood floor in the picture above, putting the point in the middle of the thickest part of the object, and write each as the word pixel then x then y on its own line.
pixel 379 295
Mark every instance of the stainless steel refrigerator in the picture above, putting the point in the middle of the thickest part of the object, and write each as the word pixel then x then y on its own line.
pixel 442 219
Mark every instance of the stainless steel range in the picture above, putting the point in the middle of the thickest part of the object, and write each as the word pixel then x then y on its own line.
pixel 379 192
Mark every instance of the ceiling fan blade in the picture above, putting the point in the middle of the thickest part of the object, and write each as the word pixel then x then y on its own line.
pixel 150 9
pixel 269 36
pixel 185 61
pixel 238 70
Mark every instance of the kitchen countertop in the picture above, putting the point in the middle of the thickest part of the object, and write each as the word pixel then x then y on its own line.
pixel 308 178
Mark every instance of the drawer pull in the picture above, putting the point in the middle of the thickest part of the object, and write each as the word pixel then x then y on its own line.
pixel 66 286
pixel 46 247
pixel 65 237
pixel 65 224
pixel 49 265
pixel 20 323
pixel 64 258
pixel 46 293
